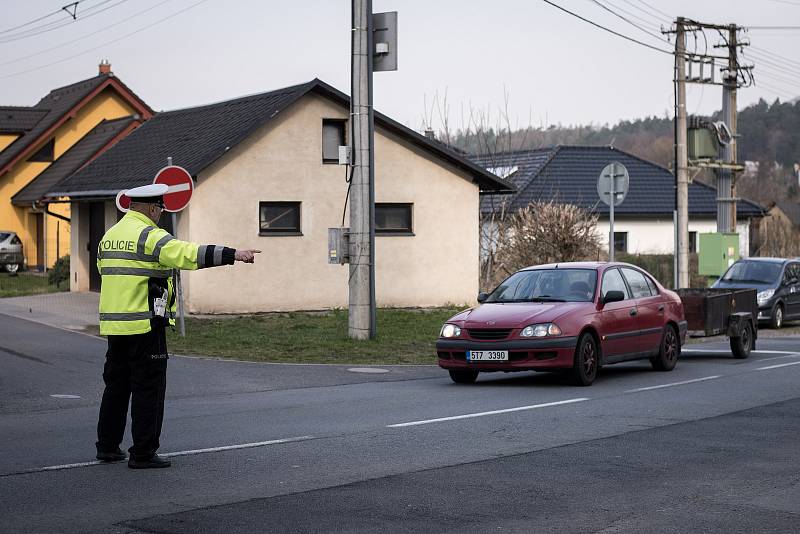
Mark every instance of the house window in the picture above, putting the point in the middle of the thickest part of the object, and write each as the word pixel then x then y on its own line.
pixel 333 136
pixel 46 153
pixel 621 242
pixel 692 241
pixel 393 219
pixel 279 218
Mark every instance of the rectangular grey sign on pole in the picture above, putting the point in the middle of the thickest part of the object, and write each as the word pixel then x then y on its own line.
pixel 385 38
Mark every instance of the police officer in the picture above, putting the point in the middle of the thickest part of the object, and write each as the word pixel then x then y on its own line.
pixel 137 301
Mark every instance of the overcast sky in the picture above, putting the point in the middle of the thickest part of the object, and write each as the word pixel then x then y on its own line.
pixel 553 67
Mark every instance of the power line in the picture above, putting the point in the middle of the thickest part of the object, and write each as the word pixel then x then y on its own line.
pixel 773 27
pixel 105 28
pixel 607 29
pixel 656 10
pixel 34 21
pixel 782 68
pixel 648 32
pixel 788 2
pixel 774 55
pixel 50 26
pixel 635 16
pixel 164 19
pixel 650 14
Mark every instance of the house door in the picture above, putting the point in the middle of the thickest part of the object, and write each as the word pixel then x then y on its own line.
pixel 97 227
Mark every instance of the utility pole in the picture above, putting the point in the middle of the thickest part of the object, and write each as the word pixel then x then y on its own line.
pixel 726 201
pixel 681 160
pixel 361 308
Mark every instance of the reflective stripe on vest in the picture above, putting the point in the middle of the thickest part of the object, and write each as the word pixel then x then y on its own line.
pixel 132 316
pixel 136 271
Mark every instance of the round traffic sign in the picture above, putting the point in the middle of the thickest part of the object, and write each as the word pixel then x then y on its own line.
pixel 123 201
pixel 180 185
pixel 614 180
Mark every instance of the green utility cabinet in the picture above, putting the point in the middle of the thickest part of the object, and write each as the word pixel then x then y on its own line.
pixel 717 252
pixel 702 144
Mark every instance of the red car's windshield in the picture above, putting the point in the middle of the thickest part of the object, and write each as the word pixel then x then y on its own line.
pixel 547 285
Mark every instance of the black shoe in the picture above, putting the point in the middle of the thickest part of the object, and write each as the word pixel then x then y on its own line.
pixel 111 456
pixel 154 462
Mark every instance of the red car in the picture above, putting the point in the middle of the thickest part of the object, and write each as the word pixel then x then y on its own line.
pixel 565 316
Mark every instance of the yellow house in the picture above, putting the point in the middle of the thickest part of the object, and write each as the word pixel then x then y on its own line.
pixel 41 144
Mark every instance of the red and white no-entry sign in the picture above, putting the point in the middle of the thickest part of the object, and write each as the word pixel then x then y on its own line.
pixel 123 201
pixel 180 185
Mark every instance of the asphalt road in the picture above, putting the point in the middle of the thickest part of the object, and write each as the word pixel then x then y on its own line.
pixel 711 446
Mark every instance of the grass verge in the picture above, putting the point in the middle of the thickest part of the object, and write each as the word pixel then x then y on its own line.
pixel 404 337
pixel 27 284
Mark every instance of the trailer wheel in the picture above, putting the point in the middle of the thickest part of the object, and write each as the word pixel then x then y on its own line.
pixel 742 345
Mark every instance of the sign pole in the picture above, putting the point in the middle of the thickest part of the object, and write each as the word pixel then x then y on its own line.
pixel 178 288
pixel 611 216
pixel 614 180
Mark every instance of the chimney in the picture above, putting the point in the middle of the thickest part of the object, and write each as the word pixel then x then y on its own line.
pixel 105 67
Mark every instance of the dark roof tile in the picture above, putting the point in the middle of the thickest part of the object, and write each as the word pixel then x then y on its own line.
pixel 72 160
pixel 569 174
pixel 15 119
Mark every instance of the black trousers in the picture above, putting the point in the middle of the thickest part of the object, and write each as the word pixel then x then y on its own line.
pixel 135 371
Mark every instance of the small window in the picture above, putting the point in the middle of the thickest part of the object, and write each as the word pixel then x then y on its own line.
pixel 279 218
pixel 692 242
pixel 393 219
pixel 15 241
pixel 333 136
pixel 637 283
pixel 46 153
pixel 621 242
pixel 612 281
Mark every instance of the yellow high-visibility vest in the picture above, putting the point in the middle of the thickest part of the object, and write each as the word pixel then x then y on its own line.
pixel 130 253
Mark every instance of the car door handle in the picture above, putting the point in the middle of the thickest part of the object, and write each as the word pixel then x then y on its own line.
pixel 633 312
pixel 661 308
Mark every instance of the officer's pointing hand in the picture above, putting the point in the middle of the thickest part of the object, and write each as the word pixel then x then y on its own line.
pixel 247 256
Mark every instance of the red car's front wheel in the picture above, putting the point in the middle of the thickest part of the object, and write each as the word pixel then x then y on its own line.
pixel 587 359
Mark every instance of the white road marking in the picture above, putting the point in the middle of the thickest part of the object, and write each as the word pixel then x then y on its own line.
pixel 236 447
pixel 178 187
pixel 167 454
pixel 724 351
pixel 776 366
pixel 368 370
pixel 60 396
pixel 493 412
pixel 674 384
pixel 794 355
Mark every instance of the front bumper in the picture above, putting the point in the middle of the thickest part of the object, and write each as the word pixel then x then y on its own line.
pixel 523 355
pixel 11 257
pixel 765 312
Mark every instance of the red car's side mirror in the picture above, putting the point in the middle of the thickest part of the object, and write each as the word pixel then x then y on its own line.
pixel 613 296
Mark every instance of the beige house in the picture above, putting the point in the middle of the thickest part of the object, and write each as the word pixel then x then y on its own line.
pixel 267 177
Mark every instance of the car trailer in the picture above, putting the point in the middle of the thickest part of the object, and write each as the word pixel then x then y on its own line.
pixel 718 311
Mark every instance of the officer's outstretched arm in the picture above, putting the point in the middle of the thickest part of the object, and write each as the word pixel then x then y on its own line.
pixel 187 255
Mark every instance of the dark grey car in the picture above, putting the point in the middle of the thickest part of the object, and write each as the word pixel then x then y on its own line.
pixel 777 281
pixel 11 258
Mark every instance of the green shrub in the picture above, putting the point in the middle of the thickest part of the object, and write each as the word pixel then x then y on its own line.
pixel 60 271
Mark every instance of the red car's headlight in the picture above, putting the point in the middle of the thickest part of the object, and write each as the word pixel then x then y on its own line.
pixel 541 330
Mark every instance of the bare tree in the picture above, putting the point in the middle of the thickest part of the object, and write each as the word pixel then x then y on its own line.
pixel 778 238
pixel 490 136
pixel 545 232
